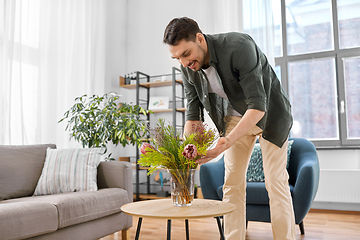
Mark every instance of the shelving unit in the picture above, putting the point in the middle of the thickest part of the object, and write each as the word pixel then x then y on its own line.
pixel 143 81
pixel 147 84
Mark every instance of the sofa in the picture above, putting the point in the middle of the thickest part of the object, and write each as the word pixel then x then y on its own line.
pixel 304 172
pixel 70 215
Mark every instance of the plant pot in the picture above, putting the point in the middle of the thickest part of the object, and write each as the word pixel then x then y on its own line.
pixel 182 186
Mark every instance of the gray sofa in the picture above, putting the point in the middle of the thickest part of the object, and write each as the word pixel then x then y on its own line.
pixel 75 215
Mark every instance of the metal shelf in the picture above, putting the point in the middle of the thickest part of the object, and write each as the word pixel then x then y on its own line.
pixel 148 85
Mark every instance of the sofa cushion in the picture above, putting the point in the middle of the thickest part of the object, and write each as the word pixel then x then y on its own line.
pixel 78 207
pixel 69 170
pixel 20 220
pixel 255 171
pixel 20 169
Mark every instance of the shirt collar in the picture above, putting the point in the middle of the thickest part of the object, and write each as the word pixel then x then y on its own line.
pixel 210 45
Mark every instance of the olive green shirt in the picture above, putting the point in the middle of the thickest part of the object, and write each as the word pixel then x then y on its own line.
pixel 247 79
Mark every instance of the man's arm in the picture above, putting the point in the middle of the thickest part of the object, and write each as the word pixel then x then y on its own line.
pixel 189 127
pixel 194 108
pixel 247 122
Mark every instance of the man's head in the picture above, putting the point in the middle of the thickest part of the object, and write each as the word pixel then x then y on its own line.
pixel 186 43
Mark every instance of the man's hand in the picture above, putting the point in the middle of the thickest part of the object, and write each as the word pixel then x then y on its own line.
pixel 222 144
pixel 247 122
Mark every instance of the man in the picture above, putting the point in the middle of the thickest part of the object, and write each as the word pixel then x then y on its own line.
pixel 229 76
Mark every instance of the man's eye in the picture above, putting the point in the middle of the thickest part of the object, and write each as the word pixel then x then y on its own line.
pixel 187 54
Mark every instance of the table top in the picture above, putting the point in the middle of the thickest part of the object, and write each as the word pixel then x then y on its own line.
pixel 164 208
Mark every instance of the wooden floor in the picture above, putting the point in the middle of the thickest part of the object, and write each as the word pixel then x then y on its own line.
pixel 318 224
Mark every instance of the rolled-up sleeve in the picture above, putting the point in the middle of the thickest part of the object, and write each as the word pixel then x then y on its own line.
pixel 248 63
pixel 194 107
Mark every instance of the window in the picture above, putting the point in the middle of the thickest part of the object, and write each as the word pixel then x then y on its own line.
pixel 317 57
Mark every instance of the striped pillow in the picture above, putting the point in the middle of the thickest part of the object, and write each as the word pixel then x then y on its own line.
pixel 69 170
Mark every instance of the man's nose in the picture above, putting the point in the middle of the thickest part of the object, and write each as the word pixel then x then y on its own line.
pixel 184 62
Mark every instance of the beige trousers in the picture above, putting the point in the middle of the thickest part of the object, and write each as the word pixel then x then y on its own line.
pixel 236 159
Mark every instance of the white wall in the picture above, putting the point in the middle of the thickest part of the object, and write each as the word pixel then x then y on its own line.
pixel 339 159
pixel 344 160
pixel 116 51
pixel 147 21
pixel 116 43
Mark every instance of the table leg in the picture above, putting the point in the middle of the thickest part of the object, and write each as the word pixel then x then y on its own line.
pixel 138 229
pixel 222 237
pixel 222 223
pixel 169 229
pixel 187 229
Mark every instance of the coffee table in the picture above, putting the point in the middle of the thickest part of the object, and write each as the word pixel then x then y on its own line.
pixel 164 209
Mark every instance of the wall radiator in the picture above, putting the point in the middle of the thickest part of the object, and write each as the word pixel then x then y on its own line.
pixel 341 186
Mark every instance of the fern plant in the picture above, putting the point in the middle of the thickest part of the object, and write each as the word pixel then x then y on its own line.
pixel 168 150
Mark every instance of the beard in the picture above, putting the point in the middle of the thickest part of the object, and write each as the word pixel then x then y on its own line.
pixel 201 61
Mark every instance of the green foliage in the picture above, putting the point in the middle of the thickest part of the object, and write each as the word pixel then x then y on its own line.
pixel 94 121
pixel 167 148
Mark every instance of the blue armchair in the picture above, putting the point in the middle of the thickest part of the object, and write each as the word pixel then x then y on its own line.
pixel 303 180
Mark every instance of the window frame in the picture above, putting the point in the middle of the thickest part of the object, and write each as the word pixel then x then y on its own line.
pixel 338 55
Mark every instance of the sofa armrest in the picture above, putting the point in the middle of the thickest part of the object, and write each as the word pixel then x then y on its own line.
pixel 305 189
pixel 116 174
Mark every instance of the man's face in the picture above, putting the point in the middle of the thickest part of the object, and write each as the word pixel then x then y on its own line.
pixel 190 54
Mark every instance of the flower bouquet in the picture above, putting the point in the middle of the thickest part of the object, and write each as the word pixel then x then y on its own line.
pixel 167 150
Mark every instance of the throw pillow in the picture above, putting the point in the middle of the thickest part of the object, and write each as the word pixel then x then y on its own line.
pixel 255 172
pixel 69 170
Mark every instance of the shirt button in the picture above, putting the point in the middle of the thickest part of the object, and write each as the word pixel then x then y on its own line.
pixel 205 96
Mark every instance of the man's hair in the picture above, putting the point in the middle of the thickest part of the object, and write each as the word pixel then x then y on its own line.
pixel 179 29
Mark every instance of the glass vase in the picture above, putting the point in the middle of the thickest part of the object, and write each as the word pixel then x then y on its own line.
pixel 182 186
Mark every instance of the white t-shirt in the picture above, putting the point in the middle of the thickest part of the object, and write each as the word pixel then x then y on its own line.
pixel 214 87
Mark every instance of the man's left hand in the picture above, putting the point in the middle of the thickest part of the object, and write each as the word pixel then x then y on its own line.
pixel 222 144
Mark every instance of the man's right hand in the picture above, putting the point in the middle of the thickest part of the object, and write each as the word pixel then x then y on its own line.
pixel 220 147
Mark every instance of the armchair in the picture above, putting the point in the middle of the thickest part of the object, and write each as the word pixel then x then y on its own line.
pixel 303 180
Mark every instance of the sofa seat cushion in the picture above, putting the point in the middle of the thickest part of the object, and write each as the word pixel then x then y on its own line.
pixel 20 220
pixel 256 193
pixel 79 207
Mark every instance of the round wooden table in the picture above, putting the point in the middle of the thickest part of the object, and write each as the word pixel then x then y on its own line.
pixel 164 208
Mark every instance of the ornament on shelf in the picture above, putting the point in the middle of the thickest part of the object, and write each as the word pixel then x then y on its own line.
pixel 130 78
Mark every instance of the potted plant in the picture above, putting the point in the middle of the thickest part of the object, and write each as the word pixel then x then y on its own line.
pixel 94 121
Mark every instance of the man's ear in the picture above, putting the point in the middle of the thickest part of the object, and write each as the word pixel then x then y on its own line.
pixel 200 38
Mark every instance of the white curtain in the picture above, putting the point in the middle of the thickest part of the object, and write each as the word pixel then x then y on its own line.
pixel 51 52
pixel 259 24
pixel 221 16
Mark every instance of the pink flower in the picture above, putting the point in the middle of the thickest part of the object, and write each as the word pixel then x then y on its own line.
pixel 190 151
pixel 144 146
